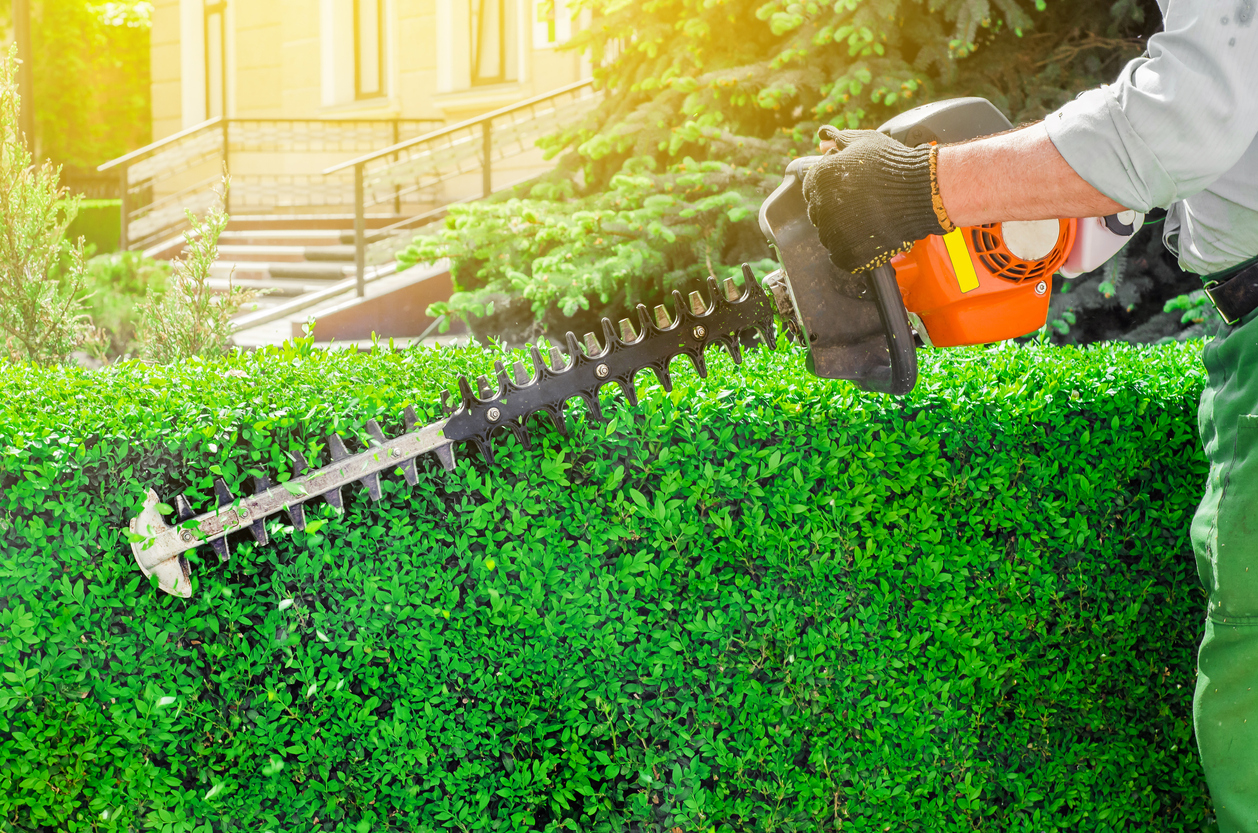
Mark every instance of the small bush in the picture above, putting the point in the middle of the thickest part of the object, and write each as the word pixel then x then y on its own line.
pixel 184 317
pixel 763 602
pixel 116 284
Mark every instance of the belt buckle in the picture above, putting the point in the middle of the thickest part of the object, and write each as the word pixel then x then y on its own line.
pixel 1210 294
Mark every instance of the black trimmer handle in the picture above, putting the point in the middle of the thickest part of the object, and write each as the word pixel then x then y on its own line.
pixel 895 321
pixel 854 326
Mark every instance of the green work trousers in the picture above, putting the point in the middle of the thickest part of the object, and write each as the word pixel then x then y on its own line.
pixel 1225 539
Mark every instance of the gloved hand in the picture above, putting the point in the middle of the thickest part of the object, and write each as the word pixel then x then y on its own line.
pixel 872 198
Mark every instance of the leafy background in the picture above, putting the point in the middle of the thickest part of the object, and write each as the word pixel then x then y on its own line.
pixel 741 86
pixel 91 79
pixel 762 602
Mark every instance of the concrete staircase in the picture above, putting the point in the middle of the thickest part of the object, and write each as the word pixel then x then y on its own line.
pixel 304 268
pixel 283 263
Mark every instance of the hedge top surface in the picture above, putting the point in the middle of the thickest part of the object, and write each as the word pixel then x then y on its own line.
pixel 323 388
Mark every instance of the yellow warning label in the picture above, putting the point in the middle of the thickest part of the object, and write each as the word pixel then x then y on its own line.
pixel 967 279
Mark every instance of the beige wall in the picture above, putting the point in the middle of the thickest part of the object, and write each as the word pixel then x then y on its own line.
pixel 260 43
pixel 165 84
pixel 293 59
pixel 299 54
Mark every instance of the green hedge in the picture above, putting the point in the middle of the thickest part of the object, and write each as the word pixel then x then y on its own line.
pixel 99 223
pixel 764 602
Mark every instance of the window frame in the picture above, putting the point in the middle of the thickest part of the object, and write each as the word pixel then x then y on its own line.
pixel 474 43
pixel 210 8
pixel 380 92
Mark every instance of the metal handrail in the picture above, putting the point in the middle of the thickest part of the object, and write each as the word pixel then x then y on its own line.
pixel 153 147
pixel 482 124
pixel 220 131
pixel 454 128
pixel 475 135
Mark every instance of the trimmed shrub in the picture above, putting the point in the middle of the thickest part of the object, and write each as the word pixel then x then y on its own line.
pixel 762 602
pixel 99 223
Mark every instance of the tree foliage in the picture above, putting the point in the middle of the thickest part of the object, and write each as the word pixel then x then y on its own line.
pixel 42 318
pixel 740 86
pixel 91 78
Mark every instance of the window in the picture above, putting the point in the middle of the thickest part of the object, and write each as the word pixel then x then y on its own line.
pixel 552 23
pixel 489 41
pixel 215 28
pixel 481 43
pixel 368 48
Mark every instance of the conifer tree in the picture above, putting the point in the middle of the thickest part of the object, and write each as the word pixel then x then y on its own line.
pixel 705 103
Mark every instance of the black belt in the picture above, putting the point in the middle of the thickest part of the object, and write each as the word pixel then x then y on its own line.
pixel 1236 295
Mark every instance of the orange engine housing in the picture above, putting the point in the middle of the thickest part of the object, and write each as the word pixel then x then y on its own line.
pixel 1004 297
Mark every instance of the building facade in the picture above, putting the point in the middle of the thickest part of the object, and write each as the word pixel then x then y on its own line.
pixel 445 60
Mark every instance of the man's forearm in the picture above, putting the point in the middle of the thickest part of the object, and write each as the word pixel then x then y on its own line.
pixel 1014 176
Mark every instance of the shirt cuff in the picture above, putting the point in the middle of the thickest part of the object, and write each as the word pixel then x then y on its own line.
pixel 1099 143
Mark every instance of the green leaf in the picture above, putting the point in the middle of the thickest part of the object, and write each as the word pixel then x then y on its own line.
pixel 639 499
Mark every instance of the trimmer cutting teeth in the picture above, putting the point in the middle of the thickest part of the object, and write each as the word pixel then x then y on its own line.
pixel 734 319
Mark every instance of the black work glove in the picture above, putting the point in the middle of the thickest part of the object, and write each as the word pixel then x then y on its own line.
pixel 872 198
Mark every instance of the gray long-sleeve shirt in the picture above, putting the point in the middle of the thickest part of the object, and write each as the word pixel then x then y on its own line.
pixel 1177 130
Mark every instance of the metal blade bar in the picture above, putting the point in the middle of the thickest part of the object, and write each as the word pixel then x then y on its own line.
pixel 734 319
pixel 163 546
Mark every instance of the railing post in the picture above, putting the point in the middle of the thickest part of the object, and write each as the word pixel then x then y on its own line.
pixel 360 231
pixel 122 207
pixel 486 172
pixel 397 190
pixel 226 167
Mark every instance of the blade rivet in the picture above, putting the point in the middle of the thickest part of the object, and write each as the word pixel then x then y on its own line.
pixel 700 333
pixel 186 536
pixel 493 414
pixel 601 371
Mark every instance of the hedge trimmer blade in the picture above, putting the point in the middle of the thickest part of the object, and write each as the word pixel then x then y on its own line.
pixel 733 319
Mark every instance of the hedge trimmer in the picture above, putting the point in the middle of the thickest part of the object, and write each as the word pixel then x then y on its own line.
pixel 971 286
pixel 734 319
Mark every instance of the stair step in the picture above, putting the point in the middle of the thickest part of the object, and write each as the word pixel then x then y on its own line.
pixel 263 254
pixel 343 254
pixel 230 269
pixel 286 237
pixel 256 328
pixel 286 254
pixel 309 271
pixel 267 270
pixel 273 288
